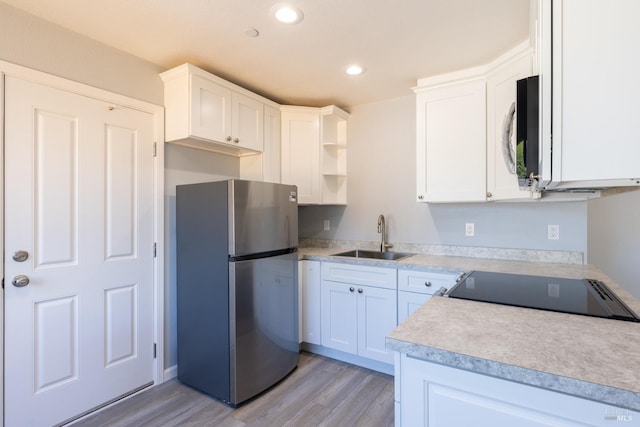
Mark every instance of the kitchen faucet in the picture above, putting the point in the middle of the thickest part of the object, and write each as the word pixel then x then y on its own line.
pixel 382 230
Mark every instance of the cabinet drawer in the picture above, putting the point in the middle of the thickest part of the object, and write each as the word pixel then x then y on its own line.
pixel 360 275
pixel 424 282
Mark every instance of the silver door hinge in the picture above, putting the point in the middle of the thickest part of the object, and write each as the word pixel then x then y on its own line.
pixel 155 350
pixel 155 251
pixel 155 148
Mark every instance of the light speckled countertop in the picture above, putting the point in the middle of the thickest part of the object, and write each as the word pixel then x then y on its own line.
pixel 588 357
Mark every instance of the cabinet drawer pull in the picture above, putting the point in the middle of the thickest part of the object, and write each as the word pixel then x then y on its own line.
pixel 427 284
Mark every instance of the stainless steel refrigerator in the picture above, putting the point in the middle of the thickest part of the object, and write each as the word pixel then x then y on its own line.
pixel 237 292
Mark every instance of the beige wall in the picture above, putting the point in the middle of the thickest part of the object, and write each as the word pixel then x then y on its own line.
pixel 614 238
pixel 34 43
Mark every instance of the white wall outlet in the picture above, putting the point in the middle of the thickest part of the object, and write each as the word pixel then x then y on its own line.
pixel 326 225
pixel 553 232
pixel 469 229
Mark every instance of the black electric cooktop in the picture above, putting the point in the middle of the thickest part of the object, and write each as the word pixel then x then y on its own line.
pixel 577 296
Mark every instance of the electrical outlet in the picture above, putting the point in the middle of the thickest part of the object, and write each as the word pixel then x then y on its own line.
pixel 553 232
pixel 327 225
pixel 469 229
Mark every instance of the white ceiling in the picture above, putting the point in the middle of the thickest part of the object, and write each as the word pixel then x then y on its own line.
pixel 398 41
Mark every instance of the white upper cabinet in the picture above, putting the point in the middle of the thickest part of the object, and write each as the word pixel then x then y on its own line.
pixel 300 154
pixel 314 153
pixel 207 112
pixel 502 183
pixel 595 119
pixel 265 166
pixel 451 142
pixel 461 120
pixel 247 122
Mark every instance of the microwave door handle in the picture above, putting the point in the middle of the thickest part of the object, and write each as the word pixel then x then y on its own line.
pixel 507 134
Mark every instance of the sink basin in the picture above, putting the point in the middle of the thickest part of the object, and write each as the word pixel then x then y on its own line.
pixel 390 256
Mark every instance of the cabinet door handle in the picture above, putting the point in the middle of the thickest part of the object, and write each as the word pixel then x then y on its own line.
pixel 351 289
pixel 236 140
pixel 228 138
pixel 427 284
pixel 360 290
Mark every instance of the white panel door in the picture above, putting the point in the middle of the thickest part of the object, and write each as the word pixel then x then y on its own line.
pixel 595 94
pixel 310 316
pixel 450 150
pixel 377 316
pixel 301 154
pixel 247 122
pixel 339 316
pixel 408 302
pixel 79 201
pixel 210 110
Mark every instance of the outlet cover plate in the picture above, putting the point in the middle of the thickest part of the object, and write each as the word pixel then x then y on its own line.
pixel 469 229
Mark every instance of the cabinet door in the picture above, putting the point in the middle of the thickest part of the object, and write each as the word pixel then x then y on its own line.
pixel 502 181
pixel 271 154
pixel 451 152
pixel 310 316
pixel 210 110
pixel 339 306
pixel 265 166
pixel 439 396
pixel 377 316
pixel 247 118
pixel 596 64
pixel 408 302
pixel 301 154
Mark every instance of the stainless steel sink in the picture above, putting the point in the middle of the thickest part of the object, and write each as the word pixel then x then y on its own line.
pixel 390 256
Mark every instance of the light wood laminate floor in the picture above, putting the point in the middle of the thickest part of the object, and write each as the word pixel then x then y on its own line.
pixel 320 392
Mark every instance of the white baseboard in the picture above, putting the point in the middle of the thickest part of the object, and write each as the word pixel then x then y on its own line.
pixel 374 365
pixel 170 373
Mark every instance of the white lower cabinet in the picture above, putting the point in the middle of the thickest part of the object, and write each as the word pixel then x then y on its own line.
pixel 408 302
pixel 416 287
pixel 358 309
pixel 434 395
pixel 309 292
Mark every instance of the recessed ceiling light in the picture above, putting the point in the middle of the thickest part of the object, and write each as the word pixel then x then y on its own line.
pixel 354 70
pixel 287 14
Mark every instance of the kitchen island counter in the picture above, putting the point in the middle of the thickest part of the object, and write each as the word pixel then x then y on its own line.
pixel 587 357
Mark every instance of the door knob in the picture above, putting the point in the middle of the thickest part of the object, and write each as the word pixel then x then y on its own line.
pixel 20 256
pixel 20 281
